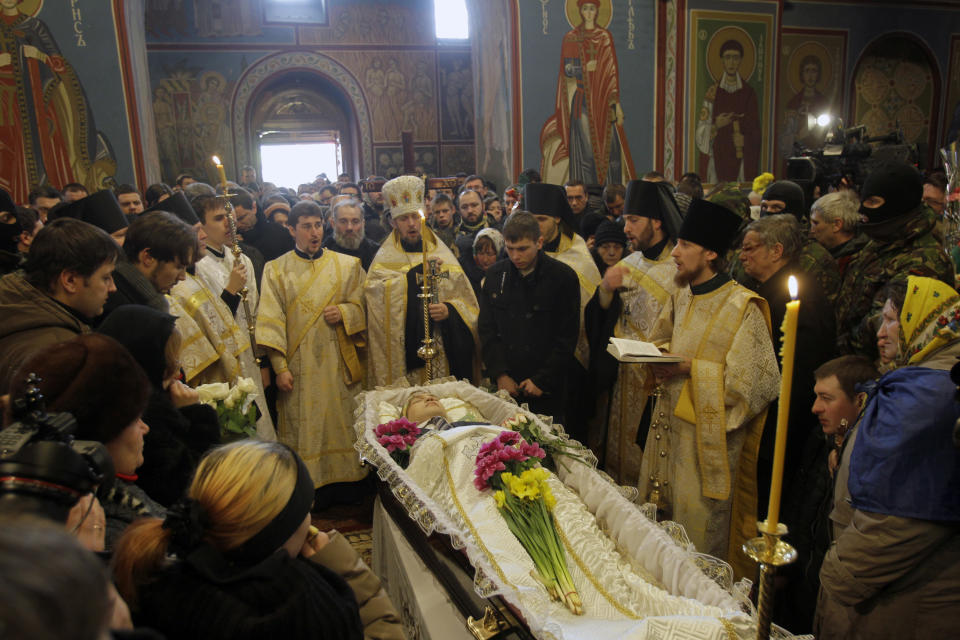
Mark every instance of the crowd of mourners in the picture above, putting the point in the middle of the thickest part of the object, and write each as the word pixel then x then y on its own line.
pixel 123 302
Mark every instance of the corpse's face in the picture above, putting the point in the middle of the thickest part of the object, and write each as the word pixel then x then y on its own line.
pixel 423 406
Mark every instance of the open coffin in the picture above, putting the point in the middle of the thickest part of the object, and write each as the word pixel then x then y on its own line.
pixel 637 578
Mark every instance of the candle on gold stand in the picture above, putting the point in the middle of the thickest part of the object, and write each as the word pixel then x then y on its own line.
pixel 787 353
pixel 769 549
pixel 221 172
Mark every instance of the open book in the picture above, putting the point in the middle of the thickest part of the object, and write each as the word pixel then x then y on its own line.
pixel 626 350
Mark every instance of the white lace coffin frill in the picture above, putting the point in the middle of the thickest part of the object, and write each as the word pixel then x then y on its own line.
pixel 634 578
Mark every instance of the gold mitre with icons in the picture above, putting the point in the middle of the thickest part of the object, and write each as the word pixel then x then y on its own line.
pixel 404 194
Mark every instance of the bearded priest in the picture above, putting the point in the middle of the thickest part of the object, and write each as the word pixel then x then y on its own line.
pixel 395 325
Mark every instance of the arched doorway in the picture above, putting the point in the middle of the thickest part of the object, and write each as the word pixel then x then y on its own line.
pixel 318 67
pixel 299 113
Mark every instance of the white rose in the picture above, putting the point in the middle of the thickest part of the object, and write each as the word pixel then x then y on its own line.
pixel 210 393
pixel 246 385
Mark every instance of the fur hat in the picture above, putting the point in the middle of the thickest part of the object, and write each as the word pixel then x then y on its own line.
pixel 92 377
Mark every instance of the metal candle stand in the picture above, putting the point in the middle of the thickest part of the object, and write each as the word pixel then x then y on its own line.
pixel 771 552
pixel 235 249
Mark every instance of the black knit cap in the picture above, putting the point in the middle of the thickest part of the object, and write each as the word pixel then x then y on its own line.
pixel 790 193
pixel 710 225
pixel 100 209
pixel 899 184
pixel 544 199
pixel 609 231
pixel 178 205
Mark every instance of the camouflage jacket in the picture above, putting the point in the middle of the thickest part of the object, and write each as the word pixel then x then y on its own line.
pixel 847 251
pixel 915 252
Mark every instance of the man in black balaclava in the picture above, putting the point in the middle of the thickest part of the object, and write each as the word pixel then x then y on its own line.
pixel 783 196
pixel 902 243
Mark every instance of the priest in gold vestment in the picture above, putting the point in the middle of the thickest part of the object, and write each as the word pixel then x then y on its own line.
pixel 311 321
pixel 700 460
pixel 628 304
pixel 395 313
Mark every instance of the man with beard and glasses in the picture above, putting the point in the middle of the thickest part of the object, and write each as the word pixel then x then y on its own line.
pixel 348 233
pixel 701 453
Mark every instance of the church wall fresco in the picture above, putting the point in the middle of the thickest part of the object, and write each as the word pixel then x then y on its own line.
pixel 383 55
pixel 569 65
pixel 663 71
pixel 812 80
pixel 63 97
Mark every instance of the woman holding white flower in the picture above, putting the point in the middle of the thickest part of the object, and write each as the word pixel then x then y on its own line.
pixel 181 428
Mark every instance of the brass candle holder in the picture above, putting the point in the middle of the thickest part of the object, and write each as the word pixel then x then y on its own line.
pixel 771 552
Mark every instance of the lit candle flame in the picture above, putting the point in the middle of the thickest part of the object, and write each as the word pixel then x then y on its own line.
pixel 793 287
pixel 422 217
pixel 216 160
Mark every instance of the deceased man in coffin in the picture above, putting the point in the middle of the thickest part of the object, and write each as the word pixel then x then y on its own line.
pixel 550 535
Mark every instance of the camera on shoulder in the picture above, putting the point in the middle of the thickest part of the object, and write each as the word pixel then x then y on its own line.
pixel 44 470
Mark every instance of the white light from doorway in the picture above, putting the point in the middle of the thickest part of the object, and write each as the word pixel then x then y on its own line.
pixel 290 165
pixel 451 20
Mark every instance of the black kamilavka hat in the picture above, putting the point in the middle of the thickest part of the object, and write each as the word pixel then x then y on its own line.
pixel 178 205
pixel 710 225
pixel 100 209
pixel 541 198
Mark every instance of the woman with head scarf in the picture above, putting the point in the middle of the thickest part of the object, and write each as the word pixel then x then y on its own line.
pixel 182 429
pixel 231 559
pixel 894 569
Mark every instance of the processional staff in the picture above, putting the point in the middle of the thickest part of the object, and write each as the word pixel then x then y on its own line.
pixel 231 216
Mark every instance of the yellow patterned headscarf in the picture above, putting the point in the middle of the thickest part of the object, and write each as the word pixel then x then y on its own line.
pixel 930 319
pixel 762 181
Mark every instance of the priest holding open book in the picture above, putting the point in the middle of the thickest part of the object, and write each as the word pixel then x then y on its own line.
pixel 701 453
pixel 627 306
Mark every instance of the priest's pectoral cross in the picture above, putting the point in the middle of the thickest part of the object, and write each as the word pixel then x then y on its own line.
pixel 434 280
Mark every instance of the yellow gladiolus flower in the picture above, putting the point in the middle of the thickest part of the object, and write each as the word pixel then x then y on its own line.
pixel 501 499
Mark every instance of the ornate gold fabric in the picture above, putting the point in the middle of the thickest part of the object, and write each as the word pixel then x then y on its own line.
pixel 647 288
pixel 196 352
pixel 707 468
pixel 573 252
pixel 213 318
pixel 385 292
pixel 214 272
pixel 315 418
